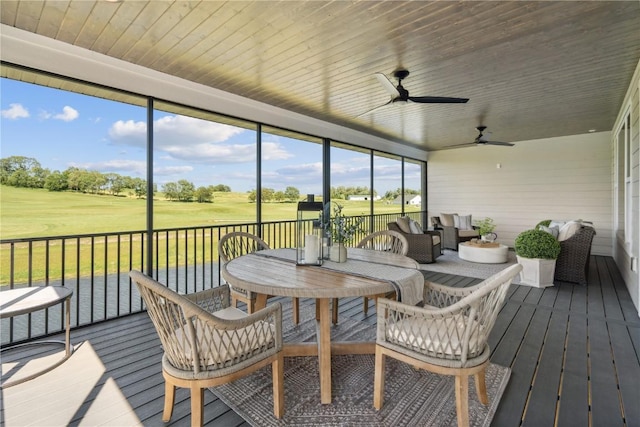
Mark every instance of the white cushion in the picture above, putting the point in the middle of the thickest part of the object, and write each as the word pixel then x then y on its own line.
pixel 568 230
pixel 557 223
pixel 435 239
pixel 415 227
pixel 464 222
pixel 403 223
pixel 447 220
pixel 554 231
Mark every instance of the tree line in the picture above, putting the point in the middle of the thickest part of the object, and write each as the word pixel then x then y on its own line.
pixel 20 171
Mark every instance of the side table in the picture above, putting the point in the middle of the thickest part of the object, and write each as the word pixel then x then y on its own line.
pixel 14 302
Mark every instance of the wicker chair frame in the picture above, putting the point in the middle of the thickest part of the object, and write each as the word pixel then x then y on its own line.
pixel 238 243
pixel 447 336
pixel 208 343
pixel 572 264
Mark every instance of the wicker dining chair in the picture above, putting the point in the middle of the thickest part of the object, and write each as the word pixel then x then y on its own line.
pixel 235 244
pixel 208 343
pixel 383 240
pixel 447 336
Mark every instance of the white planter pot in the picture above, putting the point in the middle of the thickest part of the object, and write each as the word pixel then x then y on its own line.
pixel 537 272
pixel 338 253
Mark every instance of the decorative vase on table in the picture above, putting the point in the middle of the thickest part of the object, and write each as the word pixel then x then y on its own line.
pixel 338 252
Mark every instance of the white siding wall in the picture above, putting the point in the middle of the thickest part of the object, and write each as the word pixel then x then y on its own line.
pixel 556 178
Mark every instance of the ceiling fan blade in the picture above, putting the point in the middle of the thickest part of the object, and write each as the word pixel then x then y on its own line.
pixel 438 100
pixel 388 86
pixel 450 147
pixel 505 144
pixel 374 109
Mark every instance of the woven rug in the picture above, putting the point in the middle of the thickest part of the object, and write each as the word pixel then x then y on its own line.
pixel 412 397
pixel 449 262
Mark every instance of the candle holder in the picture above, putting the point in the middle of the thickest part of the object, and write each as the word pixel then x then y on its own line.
pixel 309 232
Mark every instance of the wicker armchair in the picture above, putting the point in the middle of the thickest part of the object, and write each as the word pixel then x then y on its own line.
pixel 452 236
pixel 207 343
pixel 424 248
pixel 235 244
pixel 448 336
pixel 572 264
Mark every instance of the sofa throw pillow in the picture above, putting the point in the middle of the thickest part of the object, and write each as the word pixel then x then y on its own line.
pixel 551 230
pixel 462 222
pixel 403 223
pixel 447 220
pixel 415 227
pixel 568 230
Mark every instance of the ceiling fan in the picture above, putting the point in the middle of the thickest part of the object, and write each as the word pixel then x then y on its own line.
pixel 400 94
pixel 480 140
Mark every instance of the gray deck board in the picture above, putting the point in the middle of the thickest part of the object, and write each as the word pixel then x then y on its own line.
pixel 574 352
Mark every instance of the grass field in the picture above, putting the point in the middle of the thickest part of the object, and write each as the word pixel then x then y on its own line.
pixel 41 213
pixel 35 213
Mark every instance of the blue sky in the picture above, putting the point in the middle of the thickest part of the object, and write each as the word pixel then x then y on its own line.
pixel 62 129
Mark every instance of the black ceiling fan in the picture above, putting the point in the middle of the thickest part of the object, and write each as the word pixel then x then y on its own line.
pixel 400 94
pixel 480 140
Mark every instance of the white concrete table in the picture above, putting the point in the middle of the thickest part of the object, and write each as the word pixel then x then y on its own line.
pixel 14 302
pixel 483 254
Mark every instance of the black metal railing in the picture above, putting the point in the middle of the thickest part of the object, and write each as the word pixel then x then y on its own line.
pixel 96 267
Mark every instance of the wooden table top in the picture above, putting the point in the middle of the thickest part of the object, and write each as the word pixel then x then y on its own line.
pixel 275 276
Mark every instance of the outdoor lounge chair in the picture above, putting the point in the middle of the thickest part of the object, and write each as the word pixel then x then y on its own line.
pixel 424 248
pixel 207 343
pixel 447 336
pixel 572 264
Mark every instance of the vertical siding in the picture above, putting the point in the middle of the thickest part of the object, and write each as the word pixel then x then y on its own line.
pixel 556 178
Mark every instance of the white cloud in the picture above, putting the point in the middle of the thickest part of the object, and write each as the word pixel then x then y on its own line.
pixel 15 111
pixel 68 114
pixel 193 140
pixel 123 167
pixel 172 170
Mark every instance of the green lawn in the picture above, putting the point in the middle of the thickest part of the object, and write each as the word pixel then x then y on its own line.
pixel 29 213
pixel 40 213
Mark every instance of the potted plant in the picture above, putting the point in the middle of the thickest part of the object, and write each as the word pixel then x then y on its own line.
pixel 342 230
pixel 537 251
pixel 485 227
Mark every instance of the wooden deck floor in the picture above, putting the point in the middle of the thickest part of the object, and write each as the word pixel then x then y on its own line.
pixel 574 353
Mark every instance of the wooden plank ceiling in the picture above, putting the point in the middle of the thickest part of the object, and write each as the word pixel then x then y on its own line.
pixel 531 69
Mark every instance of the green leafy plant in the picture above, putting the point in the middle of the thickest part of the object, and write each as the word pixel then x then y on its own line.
pixel 537 244
pixel 485 226
pixel 342 228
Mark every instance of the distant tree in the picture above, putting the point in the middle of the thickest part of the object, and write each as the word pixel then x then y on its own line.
pixel 56 181
pixel 21 171
pixel 139 187
pixel 222 188
pixel 171 191
pixel 186 190
pixel 278 196
pixel 292 194
pixel 204 194
pixel 268 194
pixel 252 195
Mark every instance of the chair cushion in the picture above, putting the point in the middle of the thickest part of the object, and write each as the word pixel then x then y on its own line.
pixel 415 227
pixel 551 230
pixel 447 219
pixel 568 230
pixel 403 223
pixel 436 337
pixel 468 233
pixel 435 239
pixel 462 222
